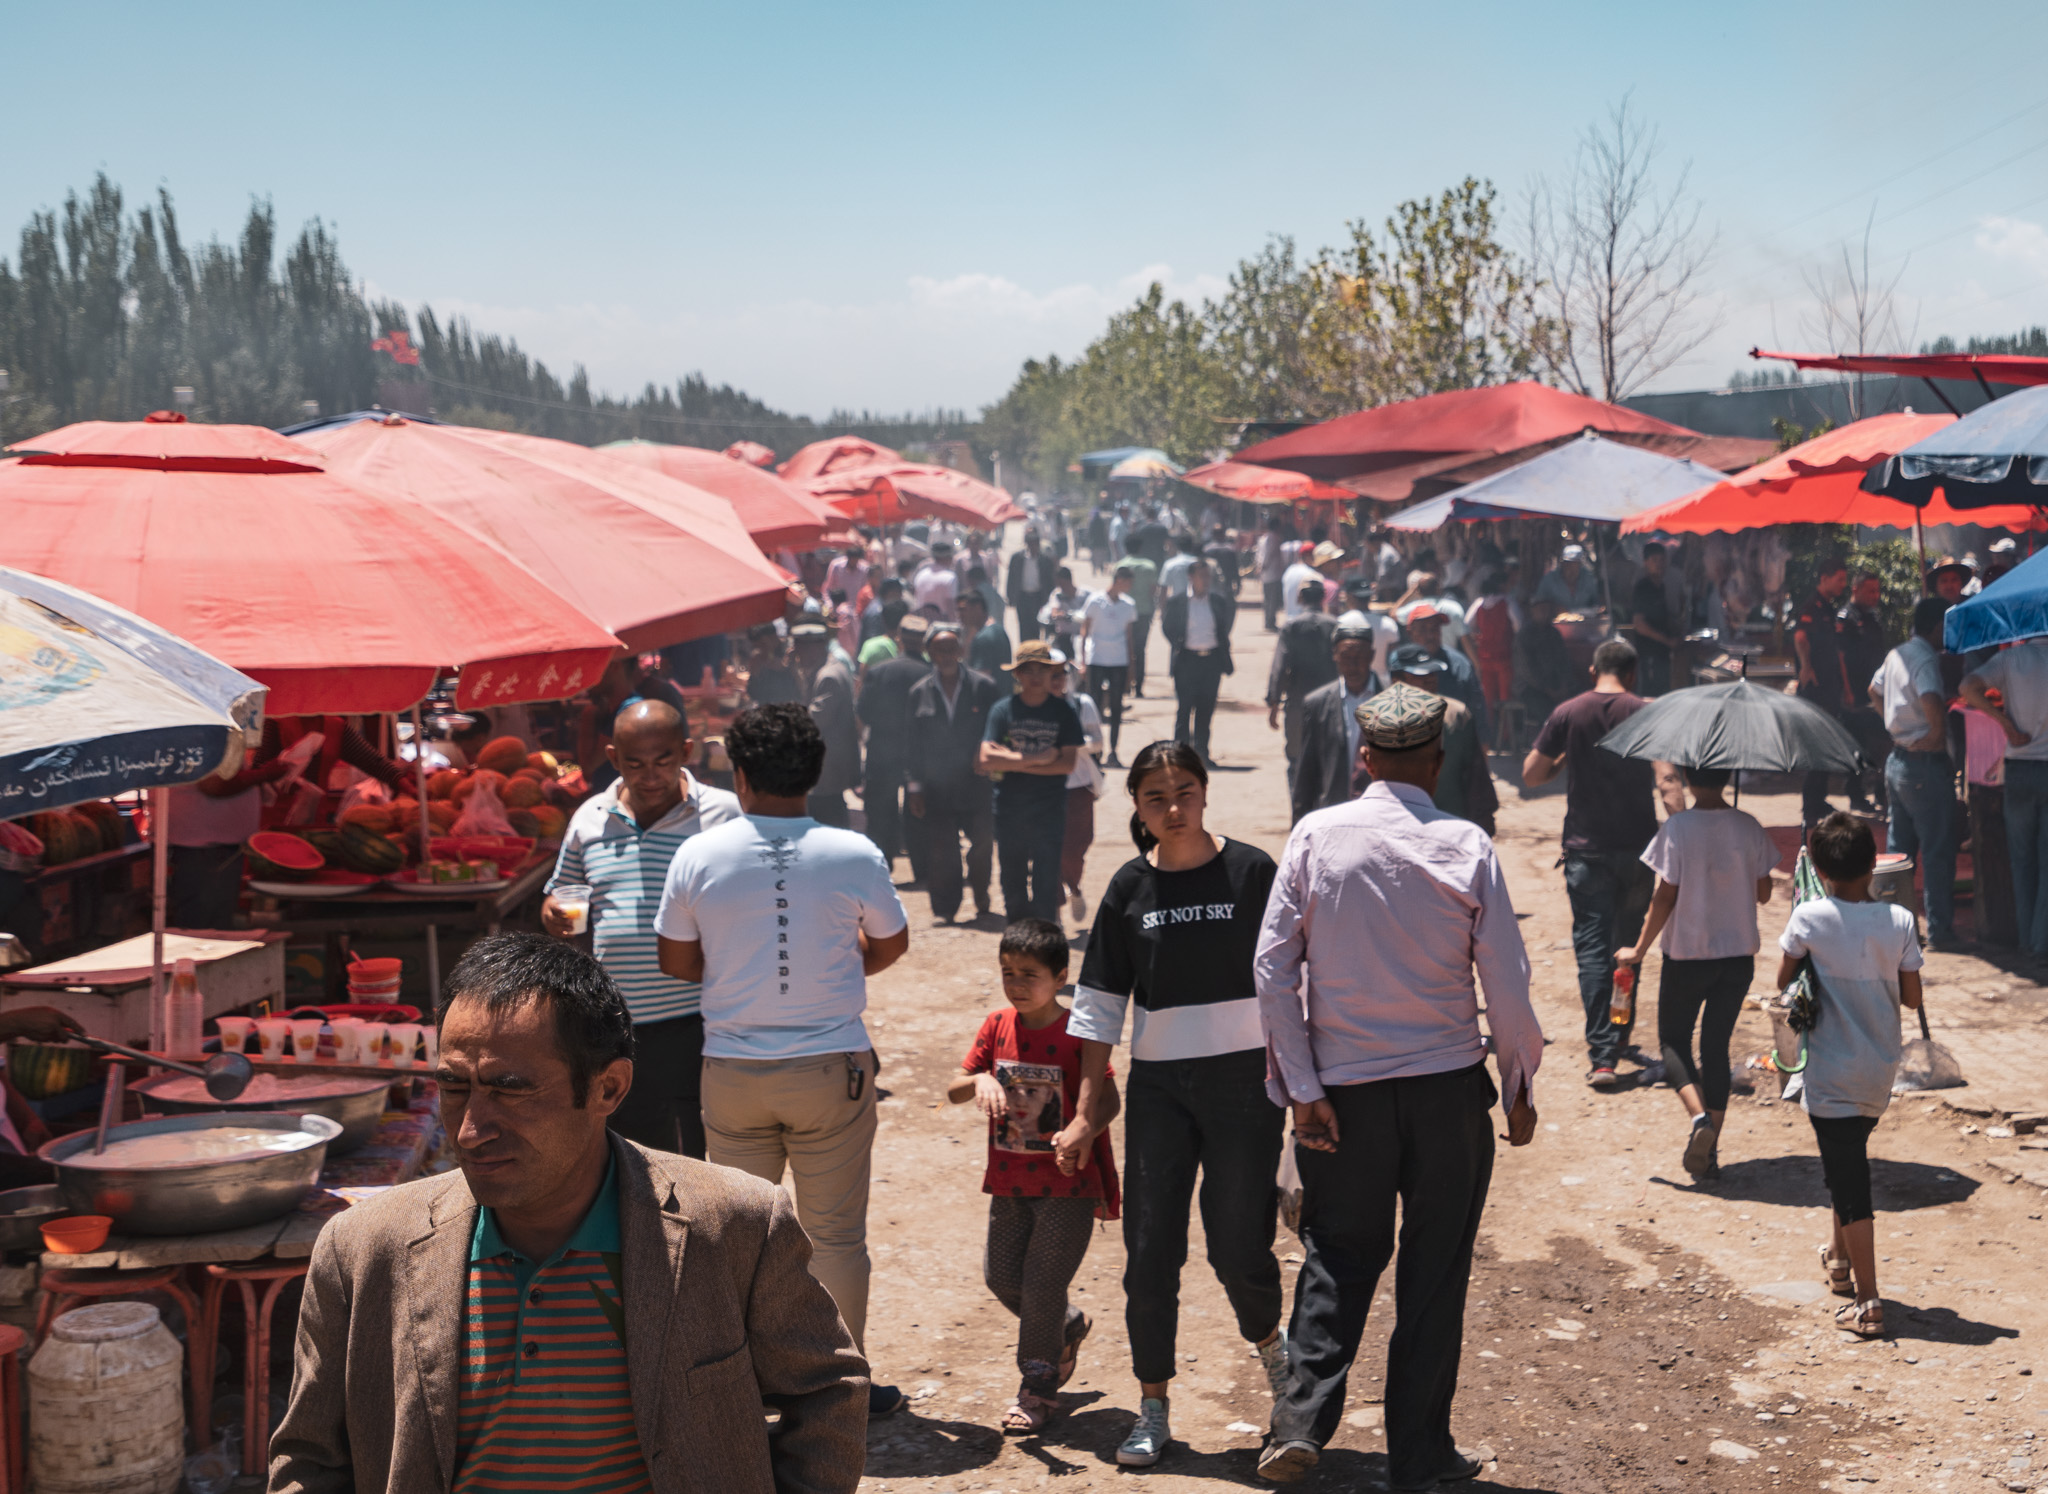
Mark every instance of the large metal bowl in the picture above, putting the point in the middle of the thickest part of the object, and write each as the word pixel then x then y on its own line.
pixel 198 1197
pixel 357 1111
pixel 23 1212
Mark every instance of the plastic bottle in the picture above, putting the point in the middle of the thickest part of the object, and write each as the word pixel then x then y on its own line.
pixel 1621 1007
pixel 185 1013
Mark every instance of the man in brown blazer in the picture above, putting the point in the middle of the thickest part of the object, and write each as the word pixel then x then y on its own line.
pixel 570 1304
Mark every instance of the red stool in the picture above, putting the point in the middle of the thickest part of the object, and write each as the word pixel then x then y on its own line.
pixel 64 1290
pixel 255 1352
pixel 14 1462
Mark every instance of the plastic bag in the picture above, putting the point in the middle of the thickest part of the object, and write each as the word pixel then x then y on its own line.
pixel 1925 1064
pixel 366 790
pixel 484 814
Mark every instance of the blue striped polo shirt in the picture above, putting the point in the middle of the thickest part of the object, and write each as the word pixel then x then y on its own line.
pixel 625 869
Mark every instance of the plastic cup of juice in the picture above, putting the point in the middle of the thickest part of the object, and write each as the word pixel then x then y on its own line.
pixel 403 1043
pixel 274 1038
pixel 574 903
pixel 348 1038
pixel 370 1043
pixel 306 1038
pixel 237 1034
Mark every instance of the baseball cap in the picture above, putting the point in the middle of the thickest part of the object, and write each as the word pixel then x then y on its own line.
pixel 1413 658
pixel 1572 552
pixel 1423 612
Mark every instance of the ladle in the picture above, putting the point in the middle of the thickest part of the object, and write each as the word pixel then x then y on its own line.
pixel 226 1074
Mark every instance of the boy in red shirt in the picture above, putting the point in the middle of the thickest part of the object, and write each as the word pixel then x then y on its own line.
pixel 1024 1072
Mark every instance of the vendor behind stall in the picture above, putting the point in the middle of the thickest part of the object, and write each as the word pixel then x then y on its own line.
pixel 211 819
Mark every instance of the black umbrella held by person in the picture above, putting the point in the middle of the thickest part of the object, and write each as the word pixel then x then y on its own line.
pixel 1737 725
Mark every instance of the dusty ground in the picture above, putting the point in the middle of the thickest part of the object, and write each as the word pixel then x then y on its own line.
pixel 1627 1330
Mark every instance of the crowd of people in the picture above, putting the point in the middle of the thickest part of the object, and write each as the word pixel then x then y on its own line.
pixel 1336 992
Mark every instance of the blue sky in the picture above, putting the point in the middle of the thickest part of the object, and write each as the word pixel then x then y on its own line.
pixel 891 205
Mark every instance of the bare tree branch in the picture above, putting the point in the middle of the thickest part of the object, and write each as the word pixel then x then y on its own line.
pixel 1620 260
pixel 1852 312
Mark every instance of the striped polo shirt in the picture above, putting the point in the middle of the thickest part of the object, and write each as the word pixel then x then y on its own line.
pixel 545 1400
pixel 625 868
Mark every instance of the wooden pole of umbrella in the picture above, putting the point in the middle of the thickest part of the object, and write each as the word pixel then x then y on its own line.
pixel 159 881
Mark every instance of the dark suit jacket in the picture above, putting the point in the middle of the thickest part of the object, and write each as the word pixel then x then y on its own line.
pixel 724 1317
pixel 1322 774
pixel 1173 622
pixel 885 709
pixel 1019 597
pixel 943 751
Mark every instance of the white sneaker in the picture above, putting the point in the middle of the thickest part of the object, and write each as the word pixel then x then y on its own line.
pixel 1149 1436
pixel 1274 1357
pixel 1077 905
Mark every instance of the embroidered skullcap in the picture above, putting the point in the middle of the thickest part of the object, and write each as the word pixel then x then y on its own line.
pixel 1400 717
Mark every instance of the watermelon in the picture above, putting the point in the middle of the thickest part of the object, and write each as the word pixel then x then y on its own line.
pixel 106 819
pixel 275 856
pixel 364 850
pixel 66 835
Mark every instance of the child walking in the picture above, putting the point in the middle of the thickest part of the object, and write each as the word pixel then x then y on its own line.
pixel 1024 1072
pixel 1713 866
pixel 1866 964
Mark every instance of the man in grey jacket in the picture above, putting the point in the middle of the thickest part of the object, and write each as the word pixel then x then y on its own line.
pixel 537 1315
pixel 1329 725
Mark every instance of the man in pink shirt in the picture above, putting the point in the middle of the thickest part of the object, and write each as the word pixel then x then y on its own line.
pixel 1382 910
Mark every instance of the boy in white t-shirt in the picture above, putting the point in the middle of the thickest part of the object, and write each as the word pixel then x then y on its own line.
pixel 1866 965
pixel 1713 865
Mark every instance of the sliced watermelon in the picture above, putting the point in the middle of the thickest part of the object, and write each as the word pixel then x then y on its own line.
pixel 275 856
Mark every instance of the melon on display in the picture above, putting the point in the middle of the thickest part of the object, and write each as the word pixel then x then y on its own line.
pixel 275 856
pixel 503 755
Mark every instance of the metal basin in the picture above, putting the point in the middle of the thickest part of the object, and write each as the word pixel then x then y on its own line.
pixel 356 1111
pixel 23 1212
pixel 198 1197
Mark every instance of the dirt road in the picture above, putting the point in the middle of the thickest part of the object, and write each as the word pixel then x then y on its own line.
pixel 1627 1329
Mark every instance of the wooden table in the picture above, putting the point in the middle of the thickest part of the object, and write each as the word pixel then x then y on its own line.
pixel 386 912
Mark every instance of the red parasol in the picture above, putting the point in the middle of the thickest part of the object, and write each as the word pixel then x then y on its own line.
pixel 653 559
pixel 1996 368
pixel 1417 447
pixel 339 599
pixel 1817 482
pixel 1251 484
pixel 775 511
pixel 822 458
pixel 753 453
pixel 887 492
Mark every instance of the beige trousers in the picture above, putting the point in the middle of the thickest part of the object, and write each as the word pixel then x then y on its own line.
pixel 764 1115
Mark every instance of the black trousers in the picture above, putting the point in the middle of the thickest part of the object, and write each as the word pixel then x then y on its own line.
pixel 1196 679
pixel 1027 604
pixel 1707 992
pixel 1428 1143
pixel 1139 640
pixel 1106 682
pixel 1845 1163
pixel 1028 846
pixel 665 1107
pixel 896 833
pixel 205 887
pixel 1182 1115
pixel 945 822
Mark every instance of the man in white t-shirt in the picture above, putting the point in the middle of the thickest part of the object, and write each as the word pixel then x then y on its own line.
pixel 781 920
pixel 1920 781
pixel 938 584
pixel 2020 675
pixel 1109 621
pixel 1297 575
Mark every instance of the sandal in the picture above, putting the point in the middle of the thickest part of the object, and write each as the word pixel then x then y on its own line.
pixel 1028 1413
pixel 1865 1319
pixel 1835 1269
pixel 1071 1359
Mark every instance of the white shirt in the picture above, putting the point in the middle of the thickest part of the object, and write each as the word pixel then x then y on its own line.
pixel 1028 576
pixel 1291 583
pixel 936 587
pixel 1858 950
pixel 2021 674
pixel 1911 670
pixel 1201 624
pixel 1109 621
pixel 1380 913
pixel 778 905
pixel 1454 617
pixel 1713 857
pixel 1351 703
pixel 1173 576
pixel 1086 773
